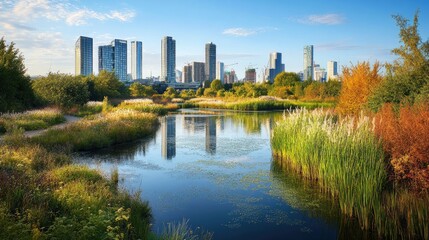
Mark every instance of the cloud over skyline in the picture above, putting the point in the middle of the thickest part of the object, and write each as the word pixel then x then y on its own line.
pixel 244 32
pixel 323 19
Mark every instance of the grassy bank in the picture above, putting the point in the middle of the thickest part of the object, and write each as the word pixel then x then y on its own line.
pixel 251 104
pixel 347 161
pixel 31 120
pixel 147 105
pixel 100 131
pixel 43 197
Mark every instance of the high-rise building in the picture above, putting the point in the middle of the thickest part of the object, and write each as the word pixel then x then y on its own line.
pixel 178 76
pixel 113 58
pixel 230 77
pixel 319 73
pixel 136 60
pixel 198 73
pixel 308 62
pixel 187 74
pixel 210 68
pixel 220 67
pixel 276 66
pixel 250 75
pixel 83 56
pixel 332 70
pixel 105 58
pixel 168 59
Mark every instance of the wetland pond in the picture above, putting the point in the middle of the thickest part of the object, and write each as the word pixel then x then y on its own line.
pixel 215 169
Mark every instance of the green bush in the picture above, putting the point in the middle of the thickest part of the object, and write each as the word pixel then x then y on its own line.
pixel 61 90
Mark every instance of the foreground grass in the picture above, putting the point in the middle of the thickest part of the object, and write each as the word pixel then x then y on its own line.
pixel 347 161
pixel 100 131
pixel 31 120
pixel 44 197
pixel 251 104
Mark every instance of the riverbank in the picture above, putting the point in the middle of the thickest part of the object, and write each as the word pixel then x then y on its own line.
pixel 44 196
pixel 347 161
pixel 252 104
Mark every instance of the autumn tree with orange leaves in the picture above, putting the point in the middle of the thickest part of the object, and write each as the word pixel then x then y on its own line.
pixel 358 84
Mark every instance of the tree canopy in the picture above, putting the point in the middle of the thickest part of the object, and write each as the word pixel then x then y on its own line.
pixel 15 90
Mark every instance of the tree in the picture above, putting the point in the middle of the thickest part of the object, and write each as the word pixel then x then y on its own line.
pixel 140 90
pixel 287 79
pixel 170 93
pixel 15 92
pixel 216 85
pixel 359 83
pixel 105 84
pixel 407 80
pixel 200 92
pixel 62 90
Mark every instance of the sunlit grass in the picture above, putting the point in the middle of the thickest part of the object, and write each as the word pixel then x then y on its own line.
pixel 252 104
pixel 346 159
pixel 101 131
pixel 147 105
pixel 31 120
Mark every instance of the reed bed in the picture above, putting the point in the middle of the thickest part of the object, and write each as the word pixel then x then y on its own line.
pixel 31 120
pixel 343 156
pixel 260 104
pixel 346 159
pixel 114 127
pixel 147 105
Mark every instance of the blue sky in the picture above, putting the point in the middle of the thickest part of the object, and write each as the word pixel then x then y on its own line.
pixel 245 32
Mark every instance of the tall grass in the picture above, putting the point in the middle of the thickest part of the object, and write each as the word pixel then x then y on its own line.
pixel 182 230
pixel 31 120
pixel 252 104
pixel 100 131
pixel 343 156
pixel 147 105
pixel 346 159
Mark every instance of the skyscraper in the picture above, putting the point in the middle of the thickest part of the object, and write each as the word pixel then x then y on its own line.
pixel 168 59
pixel 187 74
pixel 276 66
pixel 250 75
pixel 105 58
pixel 210 68
pixel 220 71
pixel 83 56
pixel 198 73
pixel 120 58
pixel 136 59
pixel 332 70
pixel 308 62
pixel 113 58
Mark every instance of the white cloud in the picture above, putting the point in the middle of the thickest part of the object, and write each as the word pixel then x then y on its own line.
pixel 61 10
pixel 324 19
pixel 239 32
pixel 244 32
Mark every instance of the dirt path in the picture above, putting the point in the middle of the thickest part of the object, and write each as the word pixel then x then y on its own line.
pixel 69 119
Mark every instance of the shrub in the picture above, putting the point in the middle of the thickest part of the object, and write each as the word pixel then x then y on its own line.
pixel 358 84
pixel 405 138
pixel 61 90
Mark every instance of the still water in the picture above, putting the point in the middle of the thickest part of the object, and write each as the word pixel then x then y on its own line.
pixel 216 169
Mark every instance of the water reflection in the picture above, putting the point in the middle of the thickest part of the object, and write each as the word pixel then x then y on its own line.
pixel 168 135
pixel 211 135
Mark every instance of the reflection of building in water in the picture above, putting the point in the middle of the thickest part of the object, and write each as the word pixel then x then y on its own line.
pixel 168 137
pixel 194 124
pixel 211 135
pixel 220 123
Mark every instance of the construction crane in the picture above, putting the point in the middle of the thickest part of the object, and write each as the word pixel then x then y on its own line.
pixel 229 65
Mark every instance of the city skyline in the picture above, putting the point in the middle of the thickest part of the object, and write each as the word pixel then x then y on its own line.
pixel 45 31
